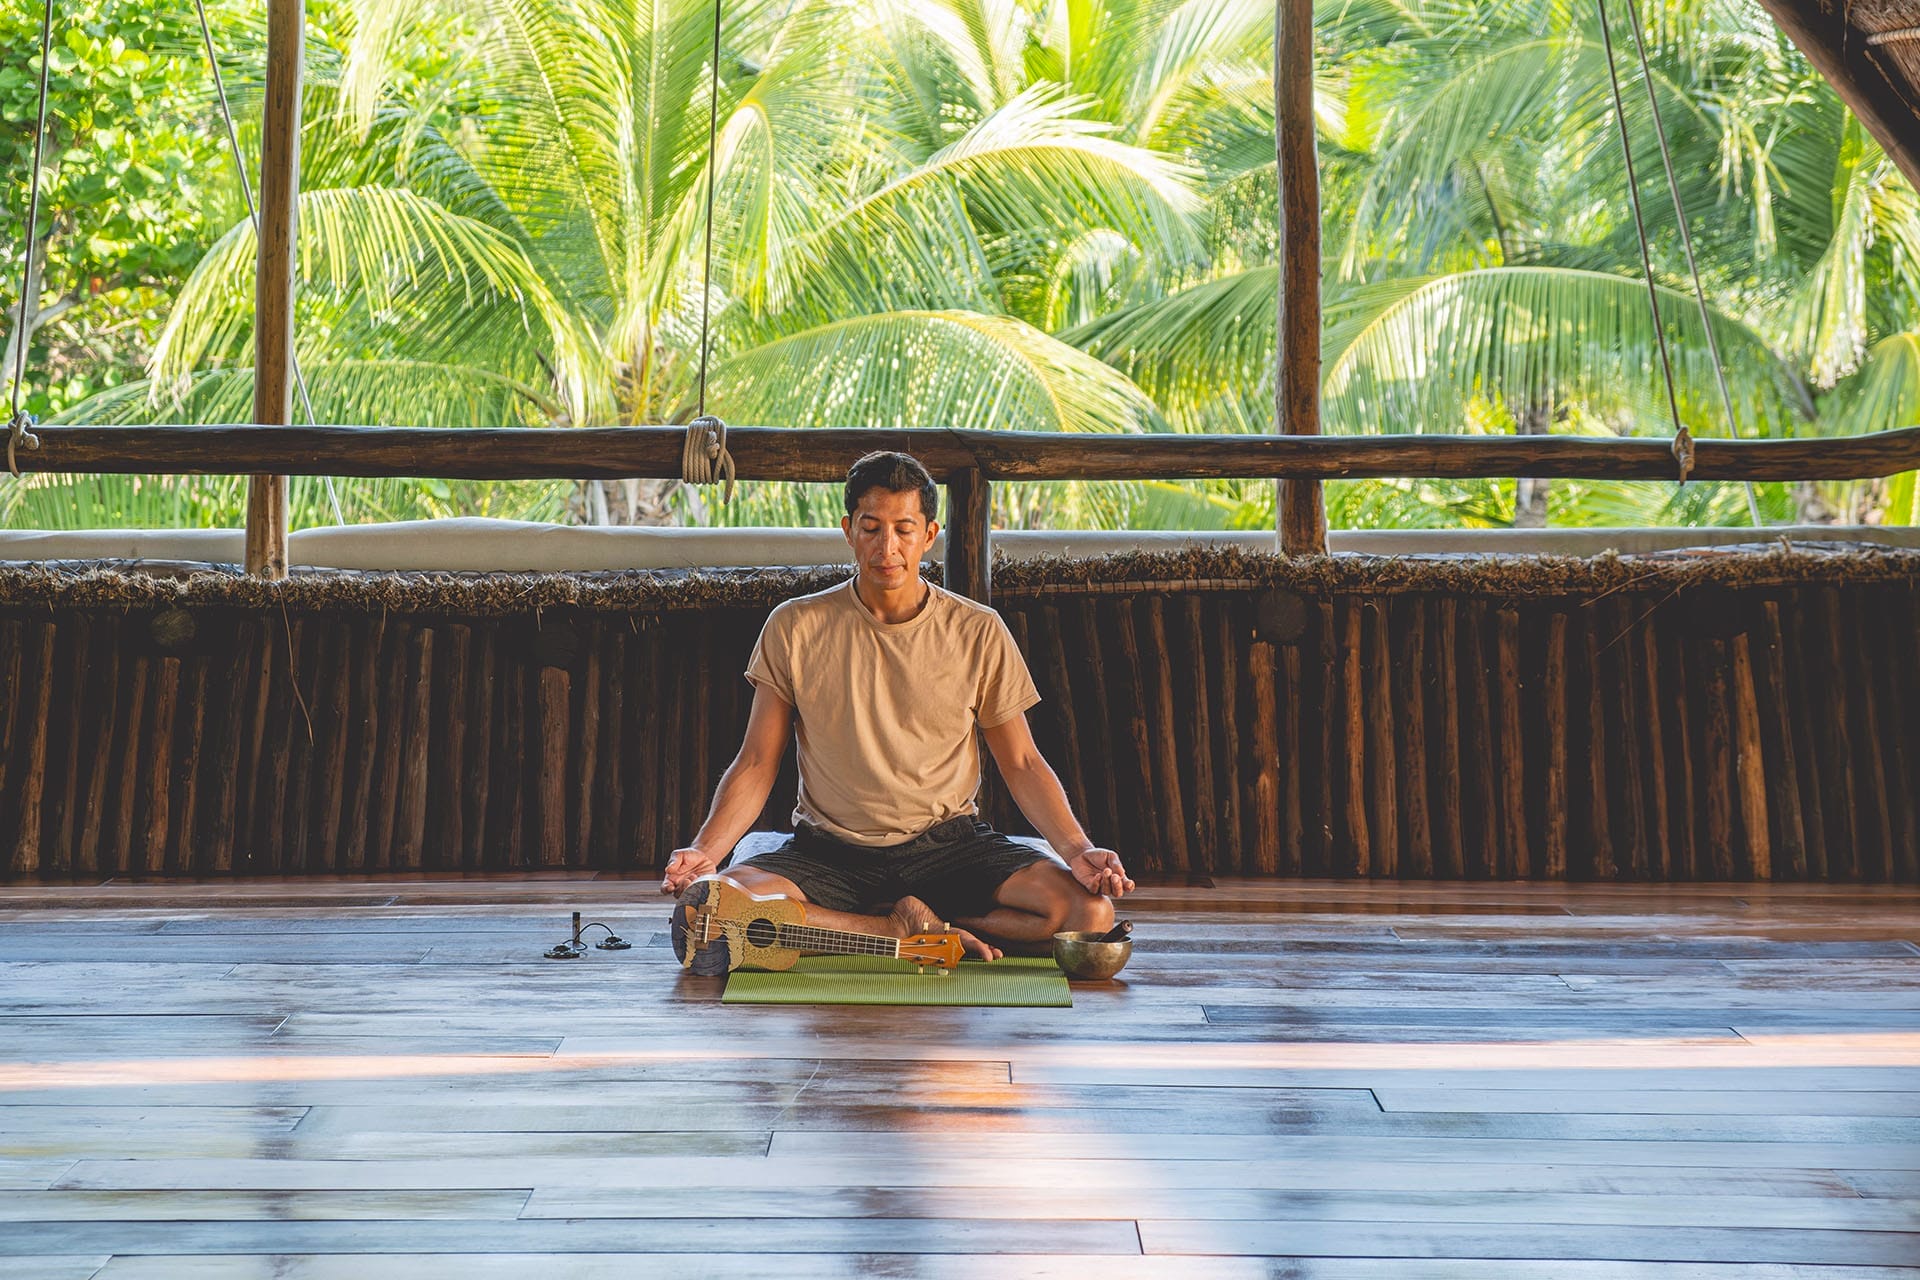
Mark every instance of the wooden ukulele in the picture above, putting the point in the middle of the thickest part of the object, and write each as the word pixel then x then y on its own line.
pixel 719 927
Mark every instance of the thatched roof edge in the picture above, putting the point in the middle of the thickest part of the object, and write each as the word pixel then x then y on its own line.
pixel 105 585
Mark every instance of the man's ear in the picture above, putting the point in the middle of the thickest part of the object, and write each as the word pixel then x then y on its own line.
pixel 846 528
pixel 933 531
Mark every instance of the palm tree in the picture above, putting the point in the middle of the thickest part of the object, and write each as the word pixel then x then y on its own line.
pixel 1481 268
pixel 525 243
pixel 1055 214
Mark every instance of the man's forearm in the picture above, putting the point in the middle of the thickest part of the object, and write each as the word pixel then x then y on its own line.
pixel 1037 790
pixel 737 802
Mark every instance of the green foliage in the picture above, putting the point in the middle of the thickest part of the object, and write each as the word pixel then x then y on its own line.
pixel 1033 214
pixel 125 195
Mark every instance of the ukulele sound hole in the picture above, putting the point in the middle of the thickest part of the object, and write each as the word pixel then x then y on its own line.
pixel 762 933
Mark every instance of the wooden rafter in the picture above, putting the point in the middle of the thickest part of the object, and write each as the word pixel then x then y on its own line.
pixel 1874 77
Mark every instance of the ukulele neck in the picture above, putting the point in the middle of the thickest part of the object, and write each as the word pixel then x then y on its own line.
pixel 806 937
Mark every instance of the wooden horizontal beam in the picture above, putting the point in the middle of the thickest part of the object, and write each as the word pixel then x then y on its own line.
pixel 782 453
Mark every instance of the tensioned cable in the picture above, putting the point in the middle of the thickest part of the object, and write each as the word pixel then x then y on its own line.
pixel 706 266
pixel 17 419
pixel 253 215
pixel 1686 240
pixel 1682 439
pixel 704 458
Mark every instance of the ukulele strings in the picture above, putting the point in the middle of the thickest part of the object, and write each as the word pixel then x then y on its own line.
pixel 862 944
pixel 809 937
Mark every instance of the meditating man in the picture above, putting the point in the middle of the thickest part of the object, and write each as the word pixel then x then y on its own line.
pixel 883 679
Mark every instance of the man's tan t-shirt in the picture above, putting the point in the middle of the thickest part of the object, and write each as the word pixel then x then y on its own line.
pixel 885 712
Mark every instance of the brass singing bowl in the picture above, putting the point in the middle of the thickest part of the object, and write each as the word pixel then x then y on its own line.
pixel 1083 955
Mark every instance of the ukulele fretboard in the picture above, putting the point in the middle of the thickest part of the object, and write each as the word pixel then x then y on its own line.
pixel 803 937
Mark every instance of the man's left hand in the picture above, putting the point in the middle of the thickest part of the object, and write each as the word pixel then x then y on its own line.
pixel 1099 871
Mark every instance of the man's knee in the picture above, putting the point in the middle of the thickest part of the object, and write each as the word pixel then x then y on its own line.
pixel 761 884
pixel 1087 912
pixel 1070 908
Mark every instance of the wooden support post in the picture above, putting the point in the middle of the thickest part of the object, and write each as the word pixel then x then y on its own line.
pixel 1303 512
pixel 556 698
pixel 1206 804
pixel 1654 710
pixel 1267 763
pixel 1555 685
pixel 369 700
pixel 40 711
pixel 1717 864
pixel 1749 762
pixel 159 778
pixel 1384 819
pixel 273 279
pixel 1451 771
pixel 1060 689
pixel 1407 616
pixel 969 519
pixel 410 824
pixel 1166 742
pixel 1104 724
pixel 1358 836
pixel 1516 853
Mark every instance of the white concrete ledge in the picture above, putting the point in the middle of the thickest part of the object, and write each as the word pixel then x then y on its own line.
pixel 478 545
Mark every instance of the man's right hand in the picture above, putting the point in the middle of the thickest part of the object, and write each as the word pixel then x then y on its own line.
pixel 684 867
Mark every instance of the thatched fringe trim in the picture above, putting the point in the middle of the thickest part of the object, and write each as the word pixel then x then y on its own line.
pixel 94 584
pixel 1500 577
pixel 1120 587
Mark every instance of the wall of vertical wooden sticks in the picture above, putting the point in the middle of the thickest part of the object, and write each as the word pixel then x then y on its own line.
pixel 1764 732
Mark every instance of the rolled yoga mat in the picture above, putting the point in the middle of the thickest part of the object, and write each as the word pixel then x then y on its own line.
pixel 1013 981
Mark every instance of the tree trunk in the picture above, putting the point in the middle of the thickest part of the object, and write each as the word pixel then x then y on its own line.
pixel 651 501
pixel 1530 500
pixel 623 502
pixel 1812 502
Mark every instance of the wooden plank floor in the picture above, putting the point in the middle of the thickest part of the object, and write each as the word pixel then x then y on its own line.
pixel 1306 1079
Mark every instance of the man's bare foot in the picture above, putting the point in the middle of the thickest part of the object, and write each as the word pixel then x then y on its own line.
pixel 910 916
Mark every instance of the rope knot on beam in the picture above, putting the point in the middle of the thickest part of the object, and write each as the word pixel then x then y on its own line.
pixel 18 436
pixel 704 458
pixel 1683 452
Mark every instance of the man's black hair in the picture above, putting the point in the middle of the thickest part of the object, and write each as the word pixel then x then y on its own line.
pixel 896 473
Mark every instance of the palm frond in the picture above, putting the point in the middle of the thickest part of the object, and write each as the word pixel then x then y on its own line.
pixel 929 369
pixel 1416 503
pixel 1205 354
pixel 55 501
pixel 1885 394
pixel 402 269
pixel 1419 354
pixel 1415 356
pixel 1041 162
pixel 406 393
pixel 982 41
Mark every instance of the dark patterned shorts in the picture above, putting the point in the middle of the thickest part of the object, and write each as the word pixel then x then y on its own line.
pixel 955 867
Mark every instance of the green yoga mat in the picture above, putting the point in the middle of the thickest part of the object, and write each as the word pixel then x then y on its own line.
pixel 1016 980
